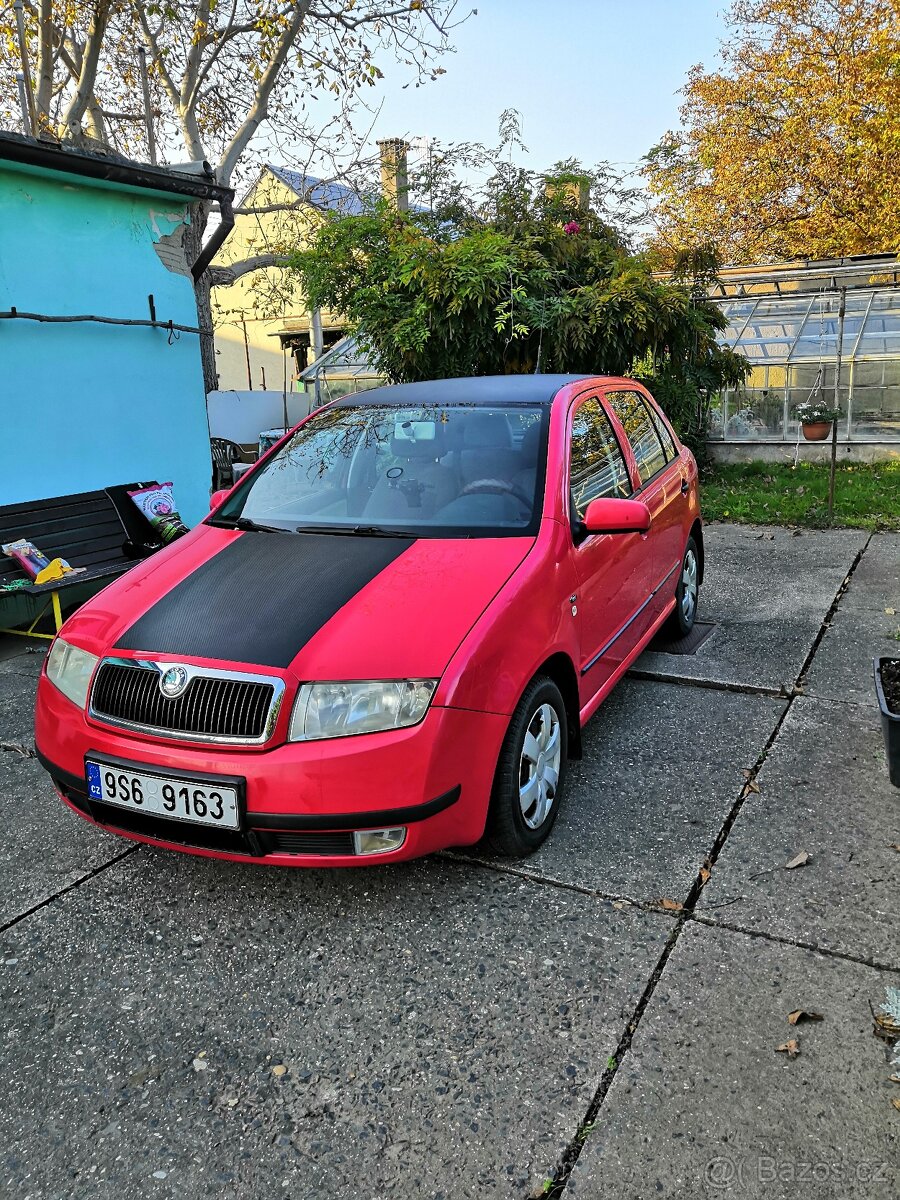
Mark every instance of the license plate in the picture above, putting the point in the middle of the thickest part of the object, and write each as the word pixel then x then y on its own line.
pixel 197 801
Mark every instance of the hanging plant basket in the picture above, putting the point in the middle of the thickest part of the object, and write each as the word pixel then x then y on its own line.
pixel 816 431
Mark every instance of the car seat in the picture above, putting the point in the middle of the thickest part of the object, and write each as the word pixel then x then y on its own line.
pixel 415 485
pixel 487 449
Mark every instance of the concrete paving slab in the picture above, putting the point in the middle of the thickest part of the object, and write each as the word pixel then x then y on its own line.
pixel 876 581
pixel 823 789
pixel 45 846
pixel 18 657
pixel 842 667
pixel 703 1106
pixel 17 694
pixel 768 591
pixel 661 769
pixel 441 1028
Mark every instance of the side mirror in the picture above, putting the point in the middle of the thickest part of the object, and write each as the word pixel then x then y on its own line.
pixel 217 497
pixel 609 515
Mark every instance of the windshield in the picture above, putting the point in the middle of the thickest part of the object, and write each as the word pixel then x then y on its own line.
pixel 439 471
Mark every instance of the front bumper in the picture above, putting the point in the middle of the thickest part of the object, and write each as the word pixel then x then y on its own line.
pixel 302 800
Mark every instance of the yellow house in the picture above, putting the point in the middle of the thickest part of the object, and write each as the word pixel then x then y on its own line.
pixel 264 333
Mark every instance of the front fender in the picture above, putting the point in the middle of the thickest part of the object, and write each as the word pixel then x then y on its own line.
pixel 528 622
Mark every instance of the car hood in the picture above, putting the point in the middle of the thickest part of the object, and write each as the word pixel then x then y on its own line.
pixel 319 606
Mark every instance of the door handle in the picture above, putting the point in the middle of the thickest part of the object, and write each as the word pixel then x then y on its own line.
pixel 684 486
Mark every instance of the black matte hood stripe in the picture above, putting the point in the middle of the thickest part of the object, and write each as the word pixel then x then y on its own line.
pixel 262 597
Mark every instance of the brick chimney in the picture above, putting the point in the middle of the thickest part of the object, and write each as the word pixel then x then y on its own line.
pixel 394 181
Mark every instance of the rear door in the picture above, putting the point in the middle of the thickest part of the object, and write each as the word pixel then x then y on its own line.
pixel 609 567
pixel 659 481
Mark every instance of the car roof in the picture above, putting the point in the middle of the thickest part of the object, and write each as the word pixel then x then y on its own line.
pixel 479 389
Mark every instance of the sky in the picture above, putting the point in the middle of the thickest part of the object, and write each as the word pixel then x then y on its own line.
pixel 593 79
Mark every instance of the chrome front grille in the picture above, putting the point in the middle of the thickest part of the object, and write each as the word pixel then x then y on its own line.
pixel 214 706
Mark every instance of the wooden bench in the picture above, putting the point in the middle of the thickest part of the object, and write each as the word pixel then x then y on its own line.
pixel 102 531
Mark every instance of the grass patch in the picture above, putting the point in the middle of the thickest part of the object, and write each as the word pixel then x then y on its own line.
pixel 865 497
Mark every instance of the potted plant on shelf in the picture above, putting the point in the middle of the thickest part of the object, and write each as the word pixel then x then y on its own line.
pixel 816 419
pixel 887 685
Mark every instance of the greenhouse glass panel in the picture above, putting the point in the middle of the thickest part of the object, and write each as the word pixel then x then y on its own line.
pixel 876 400
pixel 881 332
pixel 819 336
pixel 773 329
pixel 736 312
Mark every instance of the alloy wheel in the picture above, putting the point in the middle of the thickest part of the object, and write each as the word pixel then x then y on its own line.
pixel 689 586
pixel 539 766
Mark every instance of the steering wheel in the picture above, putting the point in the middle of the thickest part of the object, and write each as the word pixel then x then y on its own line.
pixel 497 487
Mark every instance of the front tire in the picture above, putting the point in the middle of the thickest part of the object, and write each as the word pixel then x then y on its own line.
pixel 687 594
pixel 531 772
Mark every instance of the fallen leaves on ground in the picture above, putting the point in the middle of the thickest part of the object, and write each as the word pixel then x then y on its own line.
pixel 896 1103
pixel 800 860
pixel 801 1014
pixel 885 1026
pixel 790 1048
pixel 669 905
pixel 280 1070
pixel 750 786
pixel 894 846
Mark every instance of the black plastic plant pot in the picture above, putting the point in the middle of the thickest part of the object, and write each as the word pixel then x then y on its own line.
pixel 890 719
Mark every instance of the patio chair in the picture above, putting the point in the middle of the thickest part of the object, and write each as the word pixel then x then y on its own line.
pixel 224 455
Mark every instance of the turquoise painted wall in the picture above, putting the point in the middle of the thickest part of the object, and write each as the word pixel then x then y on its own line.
pixel 84 406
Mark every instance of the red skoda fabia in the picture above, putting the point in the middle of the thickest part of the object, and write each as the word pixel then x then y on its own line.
pixel 386 638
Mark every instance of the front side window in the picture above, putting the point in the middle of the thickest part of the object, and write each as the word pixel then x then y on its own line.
pixel 597 467
pixel 429 470
pixel 634 416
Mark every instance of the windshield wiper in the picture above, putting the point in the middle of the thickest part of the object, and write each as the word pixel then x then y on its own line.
pixel 247 526
pixel 353 530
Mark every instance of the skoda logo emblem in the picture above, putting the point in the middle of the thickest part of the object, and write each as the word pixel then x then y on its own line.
pixel 173 681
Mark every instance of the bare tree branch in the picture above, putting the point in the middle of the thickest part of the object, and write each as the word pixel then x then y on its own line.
pixel 225 276
pixel 259 109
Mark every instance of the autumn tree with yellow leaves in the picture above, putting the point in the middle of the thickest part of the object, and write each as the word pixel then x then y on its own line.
pixel 792 147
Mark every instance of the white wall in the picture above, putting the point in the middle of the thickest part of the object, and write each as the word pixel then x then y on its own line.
pixel 241 416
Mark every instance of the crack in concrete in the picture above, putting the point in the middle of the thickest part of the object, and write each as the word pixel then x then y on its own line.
pixel 70 887
pixel 549 881
pixel 799 943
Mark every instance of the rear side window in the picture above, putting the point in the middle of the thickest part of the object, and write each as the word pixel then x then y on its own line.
pixel 632 411
pixel 663 430
pixel 597 466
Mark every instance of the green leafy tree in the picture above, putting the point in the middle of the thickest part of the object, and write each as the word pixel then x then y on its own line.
pixel 533 274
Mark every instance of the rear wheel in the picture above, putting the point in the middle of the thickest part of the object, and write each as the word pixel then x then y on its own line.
pixel 687 594
pixel 531 771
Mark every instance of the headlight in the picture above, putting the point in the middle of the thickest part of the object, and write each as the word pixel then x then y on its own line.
pixel 70 669
pixel 327 710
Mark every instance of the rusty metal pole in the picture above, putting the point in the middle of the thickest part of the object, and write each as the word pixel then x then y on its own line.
pixel 837 402
pixel 148 111
pixel 26 72
pixel 23 105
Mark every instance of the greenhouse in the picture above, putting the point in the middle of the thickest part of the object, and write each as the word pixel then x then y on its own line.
pixel 343 369
pixel 794 323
